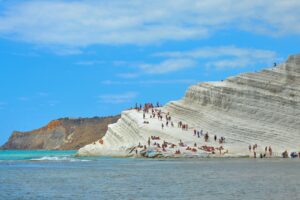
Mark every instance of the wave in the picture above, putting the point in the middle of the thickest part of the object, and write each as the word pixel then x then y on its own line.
pixel 55 158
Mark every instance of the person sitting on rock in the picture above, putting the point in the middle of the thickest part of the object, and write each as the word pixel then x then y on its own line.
pixel 285 154
pixel 177 152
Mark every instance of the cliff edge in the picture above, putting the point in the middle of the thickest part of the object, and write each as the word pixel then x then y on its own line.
pixel 61 134
pixel 261 108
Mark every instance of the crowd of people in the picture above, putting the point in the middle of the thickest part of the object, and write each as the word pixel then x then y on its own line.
pixel 155 112
pixel 268 152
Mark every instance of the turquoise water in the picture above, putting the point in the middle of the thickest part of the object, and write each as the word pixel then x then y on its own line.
pixel 60 175
pixel 14 155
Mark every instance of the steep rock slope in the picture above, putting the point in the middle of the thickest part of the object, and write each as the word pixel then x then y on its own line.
pixel 252 108
pixel 65 133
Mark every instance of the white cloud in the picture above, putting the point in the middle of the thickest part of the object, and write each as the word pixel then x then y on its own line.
pixel 234 63
pixel 151 82
pixel 215 52
pixel 128 75
pixel 90 62
pixel 118 98
pixel 83 23
pixel 167 66
pixel 224 56
pixel 53 103
pixel 43 94
pixel 24 98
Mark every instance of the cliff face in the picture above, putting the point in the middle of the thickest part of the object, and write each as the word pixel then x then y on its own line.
pixel 61 134
pixel 252 108
pixel 257 107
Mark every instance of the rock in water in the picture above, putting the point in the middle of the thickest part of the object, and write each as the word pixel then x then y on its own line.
pixel 65 133
pixel 150 153
pixel 252 108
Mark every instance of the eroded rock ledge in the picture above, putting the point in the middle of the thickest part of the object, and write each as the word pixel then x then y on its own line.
pixel 252 108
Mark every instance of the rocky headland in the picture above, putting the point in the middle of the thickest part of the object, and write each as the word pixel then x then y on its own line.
pixel 257 109
pixel 61 134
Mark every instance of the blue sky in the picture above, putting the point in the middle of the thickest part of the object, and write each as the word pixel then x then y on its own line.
pixel 97 58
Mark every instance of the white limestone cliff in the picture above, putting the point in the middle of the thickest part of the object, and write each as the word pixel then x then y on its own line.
pixel 252 108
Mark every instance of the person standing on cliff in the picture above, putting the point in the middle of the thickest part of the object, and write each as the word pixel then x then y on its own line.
pixel 270 150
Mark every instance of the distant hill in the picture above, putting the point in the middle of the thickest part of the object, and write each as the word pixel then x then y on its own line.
pixel 62 134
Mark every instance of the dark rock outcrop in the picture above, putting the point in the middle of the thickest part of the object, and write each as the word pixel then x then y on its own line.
pixel 62 134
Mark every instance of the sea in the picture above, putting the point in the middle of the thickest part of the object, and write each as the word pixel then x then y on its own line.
pixel 61 175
